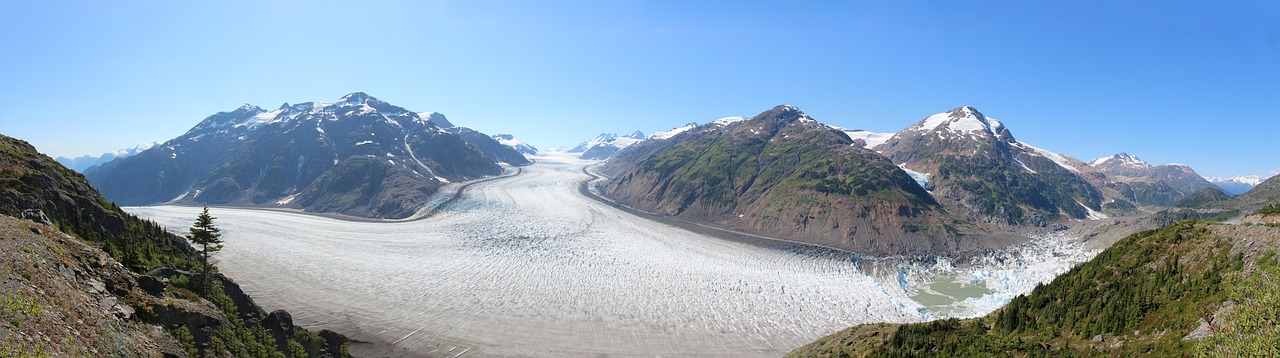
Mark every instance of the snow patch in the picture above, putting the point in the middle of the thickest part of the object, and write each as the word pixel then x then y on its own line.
pixel 872 139
pixel 1055 157
pixel 673 132
pixel 728 120
pixel 287 200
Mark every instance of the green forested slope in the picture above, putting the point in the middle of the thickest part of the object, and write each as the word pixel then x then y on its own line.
pixel 1141 296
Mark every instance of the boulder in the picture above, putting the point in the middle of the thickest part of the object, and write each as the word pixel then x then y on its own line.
pixel 36 215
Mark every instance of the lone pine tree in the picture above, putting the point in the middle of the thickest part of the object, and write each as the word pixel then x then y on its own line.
pixel 207 236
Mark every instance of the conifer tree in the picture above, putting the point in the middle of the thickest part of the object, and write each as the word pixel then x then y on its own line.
pixel 207 236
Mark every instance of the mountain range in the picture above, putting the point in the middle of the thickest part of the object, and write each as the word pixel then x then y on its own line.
pixel 783 174
pixel 357 156
pixel 84 162
pixel 1238 184
pixel 606 145
pixel 973 180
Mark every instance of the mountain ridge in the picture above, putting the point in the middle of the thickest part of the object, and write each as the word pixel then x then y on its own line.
pixel 358 156
pixel 783 174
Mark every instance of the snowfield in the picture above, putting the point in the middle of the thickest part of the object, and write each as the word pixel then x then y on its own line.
pixel 528 266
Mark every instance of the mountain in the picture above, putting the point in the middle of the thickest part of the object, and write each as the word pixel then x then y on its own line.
pixel 1265 193
pixel 488 146
pixel 1236 185
pixel 1190 288
pixel 1145 184
pixel 483 143
pixel 783 174
pixel 89 279
pixel 1205 196
pixel 84 162
pixel 518 145
pixel 358 156
pixel 975 166
pixel 606 144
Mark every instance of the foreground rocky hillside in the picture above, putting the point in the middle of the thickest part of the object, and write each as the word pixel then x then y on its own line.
pixel 66 291
pixel 357 156
pixel 1191 287
pixel 783 174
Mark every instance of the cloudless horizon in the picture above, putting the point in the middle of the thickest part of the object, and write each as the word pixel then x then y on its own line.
pixel 1185 82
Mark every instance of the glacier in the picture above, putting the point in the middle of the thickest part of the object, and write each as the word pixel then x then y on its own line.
pixel 527 265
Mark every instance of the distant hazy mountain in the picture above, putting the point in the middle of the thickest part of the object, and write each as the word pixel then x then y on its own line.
pixel 1236 185
pixel 783 174
pixel 606 144
pixel 977 167
pixel 1158 185
pixel 358 156
pixel 518 145
pixel 84 162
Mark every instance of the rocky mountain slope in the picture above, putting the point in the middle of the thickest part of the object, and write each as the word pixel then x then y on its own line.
pixel 490 146
pixel 1189 288
pixel 83 278
pixel 783 174
pixel 1146 184
pixel 606 145
pixel 84 162
pixel 358 156
pixel 976 167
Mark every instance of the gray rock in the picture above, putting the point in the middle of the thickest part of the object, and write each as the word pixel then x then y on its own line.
pixel 36 215
pixel 151 284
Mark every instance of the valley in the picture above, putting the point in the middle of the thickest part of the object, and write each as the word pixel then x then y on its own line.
pixel 528 265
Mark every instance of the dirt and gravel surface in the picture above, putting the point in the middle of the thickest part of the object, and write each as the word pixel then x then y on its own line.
pixel 527 266
pixel 61 298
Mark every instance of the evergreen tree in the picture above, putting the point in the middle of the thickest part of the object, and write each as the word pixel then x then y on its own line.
pixel 206 235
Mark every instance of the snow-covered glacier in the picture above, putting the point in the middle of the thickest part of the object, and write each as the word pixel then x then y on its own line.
pixel 526 265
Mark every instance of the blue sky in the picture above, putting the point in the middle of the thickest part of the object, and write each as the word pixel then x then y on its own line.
pixel 1179 81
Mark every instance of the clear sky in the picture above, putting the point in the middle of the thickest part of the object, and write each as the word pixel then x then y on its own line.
pixel 1177 81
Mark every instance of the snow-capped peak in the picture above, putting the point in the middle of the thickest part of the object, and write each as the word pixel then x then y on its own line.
pixel 964 120
pixel 1120 159
pixel 673 132
pixel 357 97
pixel 436 118
pixel 518 145
pixel 131 151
